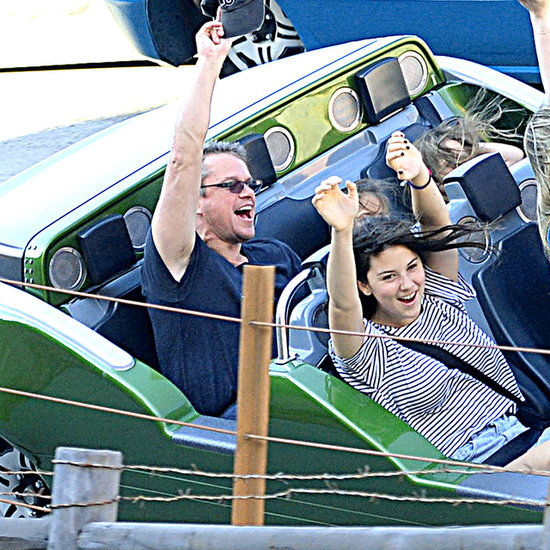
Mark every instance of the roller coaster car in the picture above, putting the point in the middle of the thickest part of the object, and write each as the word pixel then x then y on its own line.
pixel 303 118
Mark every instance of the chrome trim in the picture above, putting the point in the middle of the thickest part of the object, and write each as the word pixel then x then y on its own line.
pixel 526 183
pixel 288 135
pixel 282 314
pixel 141 210
pixel 357 119
pixel 422 62
pixel 81 276
pixel 470 254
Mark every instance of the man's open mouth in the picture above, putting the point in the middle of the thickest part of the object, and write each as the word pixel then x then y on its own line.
pixel 245 212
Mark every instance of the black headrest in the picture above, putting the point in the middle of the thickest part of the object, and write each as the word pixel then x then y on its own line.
pixel 488 185
pixel 382 89
pixel 107 248
pixel 378 169
pixel 258 159
pixel 296 222
pixel 427 110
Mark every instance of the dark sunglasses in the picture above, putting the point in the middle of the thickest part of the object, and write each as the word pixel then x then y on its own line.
pixel 236 186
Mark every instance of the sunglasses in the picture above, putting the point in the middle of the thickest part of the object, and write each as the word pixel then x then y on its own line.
pixel 236 186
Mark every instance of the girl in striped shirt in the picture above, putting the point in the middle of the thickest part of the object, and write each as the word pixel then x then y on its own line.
pixel 409 286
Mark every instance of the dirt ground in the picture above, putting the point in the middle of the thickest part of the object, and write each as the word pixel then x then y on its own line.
pixel 43 111
pixel 55 32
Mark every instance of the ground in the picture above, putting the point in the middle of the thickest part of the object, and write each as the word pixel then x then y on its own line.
pixel 43 111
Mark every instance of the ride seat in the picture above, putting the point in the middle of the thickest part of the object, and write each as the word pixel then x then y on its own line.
pixel 115 272
pixel 514 292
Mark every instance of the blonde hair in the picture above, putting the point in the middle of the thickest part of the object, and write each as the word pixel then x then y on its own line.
pixel 537 147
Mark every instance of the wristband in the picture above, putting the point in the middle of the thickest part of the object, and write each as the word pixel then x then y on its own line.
pixel 411 184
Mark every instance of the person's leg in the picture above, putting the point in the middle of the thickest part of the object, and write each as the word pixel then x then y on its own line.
pixel 535 459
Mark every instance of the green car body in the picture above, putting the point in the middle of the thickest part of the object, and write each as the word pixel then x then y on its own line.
pixel 50 348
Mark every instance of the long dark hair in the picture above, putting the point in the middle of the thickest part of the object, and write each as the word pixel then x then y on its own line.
pixel 371 236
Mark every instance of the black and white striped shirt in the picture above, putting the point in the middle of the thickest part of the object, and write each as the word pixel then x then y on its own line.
pixel 443 404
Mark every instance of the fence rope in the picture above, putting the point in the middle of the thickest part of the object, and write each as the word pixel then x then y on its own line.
pixel 284 494
pixel 238 320
pixel 290 492
pixel 25 505
pixel 101 408
pixel 4 472
pixel 25 495
pixel 273 439
pixel 281 476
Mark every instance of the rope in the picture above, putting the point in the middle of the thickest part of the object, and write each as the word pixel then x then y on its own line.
pixel 271 438
pixel 288 493
pixel 264 324
pixel 25 505
pixel 114 411
pixel 120 300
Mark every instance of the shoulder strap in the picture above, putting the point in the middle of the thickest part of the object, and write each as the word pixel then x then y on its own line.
pixel 451 361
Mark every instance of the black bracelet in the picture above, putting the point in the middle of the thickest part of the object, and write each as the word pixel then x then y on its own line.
pixel 420 186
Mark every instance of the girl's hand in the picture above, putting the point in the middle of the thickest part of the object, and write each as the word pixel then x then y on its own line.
pixel 403 157
pixel 337 209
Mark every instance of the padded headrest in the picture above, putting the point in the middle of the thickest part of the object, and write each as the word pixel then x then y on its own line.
pixel 427 110
pixel 258 159
pixel 107 248
pixel 378 169
pixel 488 185
pixel 382 89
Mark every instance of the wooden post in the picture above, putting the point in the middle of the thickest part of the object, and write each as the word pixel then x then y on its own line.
pixel 82 484
pixel 253 393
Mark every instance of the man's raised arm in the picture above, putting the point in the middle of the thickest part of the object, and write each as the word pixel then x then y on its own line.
pixel 173 223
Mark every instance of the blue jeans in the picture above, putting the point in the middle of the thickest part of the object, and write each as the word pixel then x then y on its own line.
pixel 492 438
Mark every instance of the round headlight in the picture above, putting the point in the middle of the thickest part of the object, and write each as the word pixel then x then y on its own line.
pixel 415 71
pixel 138 221
pixel 344 110
pixel 280 145
pixel 67 269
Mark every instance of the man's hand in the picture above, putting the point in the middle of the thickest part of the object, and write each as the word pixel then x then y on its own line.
pixel 338 209
pixel 210 41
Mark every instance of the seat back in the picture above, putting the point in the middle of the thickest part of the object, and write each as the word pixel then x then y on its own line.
pixel 488 185
pixel 296 223
pixel 514 292
pixel 115 272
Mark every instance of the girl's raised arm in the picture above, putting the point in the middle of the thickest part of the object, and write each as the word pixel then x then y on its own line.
pixel 345 313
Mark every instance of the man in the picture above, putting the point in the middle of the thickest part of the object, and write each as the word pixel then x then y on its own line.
pixel 199 242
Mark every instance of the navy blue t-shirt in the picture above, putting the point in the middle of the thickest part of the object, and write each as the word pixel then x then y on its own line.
pixel 200 355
